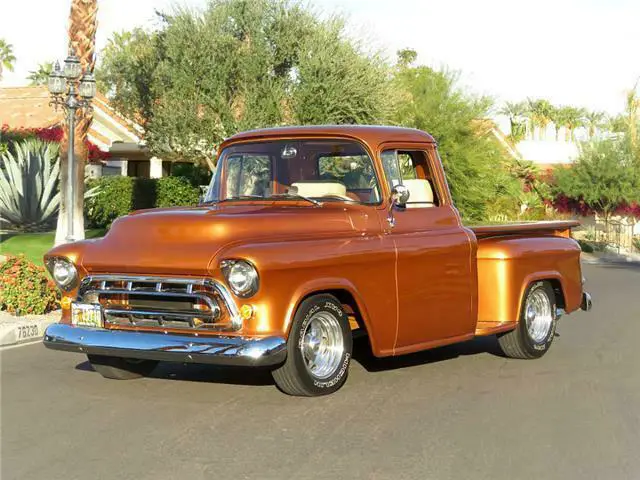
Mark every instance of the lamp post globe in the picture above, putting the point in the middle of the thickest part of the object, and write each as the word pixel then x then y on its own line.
pixel 57 82
pixel 87 87
pixel 72 67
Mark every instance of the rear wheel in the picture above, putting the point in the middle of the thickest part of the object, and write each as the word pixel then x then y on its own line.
pixel 318 349
pixel 537 326
pixel 119 368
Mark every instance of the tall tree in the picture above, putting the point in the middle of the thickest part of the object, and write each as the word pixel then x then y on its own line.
pixel 631 118
pixel 476 165
pixel 82 36
pixel 7 58
pixel 40 76
pixel 605 176
pixel 241 64
pixel 406 57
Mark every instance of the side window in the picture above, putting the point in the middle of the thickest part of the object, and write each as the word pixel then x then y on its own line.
pixel 248 175
pixel 407 168
pixel 412 170
pixel 391 167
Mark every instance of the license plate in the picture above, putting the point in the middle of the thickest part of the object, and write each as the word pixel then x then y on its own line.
pixel 86 315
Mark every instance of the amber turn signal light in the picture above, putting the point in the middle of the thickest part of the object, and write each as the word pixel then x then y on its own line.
pixel 246 312
pixel 65 303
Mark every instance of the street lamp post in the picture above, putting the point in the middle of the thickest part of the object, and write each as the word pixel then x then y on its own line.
pixel 72 90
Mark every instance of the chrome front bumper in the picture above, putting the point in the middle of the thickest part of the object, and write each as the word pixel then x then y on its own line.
pixel 218 350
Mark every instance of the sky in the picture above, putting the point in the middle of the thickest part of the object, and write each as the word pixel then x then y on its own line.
pixel 572 52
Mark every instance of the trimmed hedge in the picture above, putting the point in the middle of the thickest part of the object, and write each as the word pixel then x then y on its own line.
pixel 118 196
pixel 174 191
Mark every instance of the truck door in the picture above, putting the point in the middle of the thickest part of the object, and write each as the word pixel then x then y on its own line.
pixel 436 274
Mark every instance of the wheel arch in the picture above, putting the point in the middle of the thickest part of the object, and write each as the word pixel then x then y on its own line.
pixel 556 281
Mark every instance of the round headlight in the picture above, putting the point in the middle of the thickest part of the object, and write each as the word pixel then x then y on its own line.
pixel 63 272
pixel 241 276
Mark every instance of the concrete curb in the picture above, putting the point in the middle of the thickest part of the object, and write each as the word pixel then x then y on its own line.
pixel 610 259
pixel 17 330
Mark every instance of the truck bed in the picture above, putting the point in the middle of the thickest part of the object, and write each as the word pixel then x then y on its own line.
pixel 559 228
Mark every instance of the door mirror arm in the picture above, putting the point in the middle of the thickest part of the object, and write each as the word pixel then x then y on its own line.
pixel 399 197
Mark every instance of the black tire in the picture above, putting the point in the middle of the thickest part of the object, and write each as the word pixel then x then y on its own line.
pixel 119 368
pixel 294 377
pixel 519 343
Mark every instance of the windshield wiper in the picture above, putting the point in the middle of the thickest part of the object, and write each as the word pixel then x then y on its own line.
pixel 298 196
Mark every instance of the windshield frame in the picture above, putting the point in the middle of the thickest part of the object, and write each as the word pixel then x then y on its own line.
pixel 215 189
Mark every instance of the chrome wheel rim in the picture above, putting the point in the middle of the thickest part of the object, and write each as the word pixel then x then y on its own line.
pixel 322 345
pixel 538 315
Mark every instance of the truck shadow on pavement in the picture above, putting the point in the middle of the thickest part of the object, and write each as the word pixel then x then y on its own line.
pixel 196 372
pixel 363 355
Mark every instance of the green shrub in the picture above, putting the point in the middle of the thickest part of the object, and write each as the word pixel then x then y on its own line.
pixel 117 196
pixel 25 288
pixel 196 174
pixel 636 242
pixel 586 246
pixel 175 191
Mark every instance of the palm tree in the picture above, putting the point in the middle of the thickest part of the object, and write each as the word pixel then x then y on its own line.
pixel 574 119
pixel 40 76
pixel 557 117
pixel 541 112
pixel 517 114
pixel 7 59
pixel 593 121
pixel 82 40
pixel 563 118
pixel 632 113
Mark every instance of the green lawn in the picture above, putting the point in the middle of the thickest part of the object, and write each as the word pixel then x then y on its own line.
pixel 35 245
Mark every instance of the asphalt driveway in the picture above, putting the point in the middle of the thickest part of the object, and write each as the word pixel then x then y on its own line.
pixel 458 412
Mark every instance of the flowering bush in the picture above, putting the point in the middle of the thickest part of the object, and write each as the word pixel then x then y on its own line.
pixel 48 134
pixel 25 288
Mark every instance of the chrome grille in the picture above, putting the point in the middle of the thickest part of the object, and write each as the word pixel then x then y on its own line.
pixel 185 303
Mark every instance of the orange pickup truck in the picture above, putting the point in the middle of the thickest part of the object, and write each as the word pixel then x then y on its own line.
pixel 306 236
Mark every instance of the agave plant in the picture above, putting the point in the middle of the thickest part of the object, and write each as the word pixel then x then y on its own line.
pixel 29 195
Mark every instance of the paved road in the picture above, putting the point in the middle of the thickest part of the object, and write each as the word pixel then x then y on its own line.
pixel 459 412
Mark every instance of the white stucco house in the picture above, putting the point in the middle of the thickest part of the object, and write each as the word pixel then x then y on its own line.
pixel 28 108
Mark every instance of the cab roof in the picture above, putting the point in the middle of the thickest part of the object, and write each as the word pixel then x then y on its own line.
pixel 370 134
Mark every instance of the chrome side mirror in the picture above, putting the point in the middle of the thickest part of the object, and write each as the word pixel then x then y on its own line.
pixel 399 197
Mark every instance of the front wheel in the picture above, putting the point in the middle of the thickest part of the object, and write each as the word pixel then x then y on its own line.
pixel 537 325
pixel 118 368
pixel 318 349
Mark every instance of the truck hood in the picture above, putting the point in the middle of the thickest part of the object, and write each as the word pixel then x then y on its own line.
pixel 186 240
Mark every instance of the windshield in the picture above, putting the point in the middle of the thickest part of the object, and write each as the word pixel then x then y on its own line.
pixel 317 170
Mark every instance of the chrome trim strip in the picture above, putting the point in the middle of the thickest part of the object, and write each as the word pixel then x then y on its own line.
pixel 218 349
pixel 221 289
pixel 155 293
pixel 157 313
